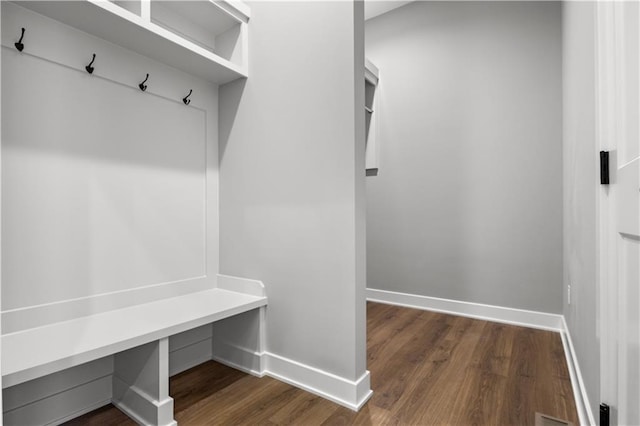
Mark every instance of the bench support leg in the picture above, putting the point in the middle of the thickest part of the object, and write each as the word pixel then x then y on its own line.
pixel 141 383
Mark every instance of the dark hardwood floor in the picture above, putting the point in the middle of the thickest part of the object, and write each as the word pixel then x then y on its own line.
pixel 426 369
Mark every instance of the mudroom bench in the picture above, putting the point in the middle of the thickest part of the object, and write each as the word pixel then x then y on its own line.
pixel 138 338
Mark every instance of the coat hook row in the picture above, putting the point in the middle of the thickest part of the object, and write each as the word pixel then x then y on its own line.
pixel 89 67
pixel 19 44
pixel 186 99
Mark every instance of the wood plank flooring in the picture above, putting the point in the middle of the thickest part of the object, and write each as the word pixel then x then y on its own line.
pixel 426 369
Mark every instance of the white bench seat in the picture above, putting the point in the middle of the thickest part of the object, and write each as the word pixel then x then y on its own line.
pixel 36 352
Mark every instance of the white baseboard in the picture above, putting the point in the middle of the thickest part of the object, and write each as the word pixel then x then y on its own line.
pixel 141 407
pixel 585 414
pixel 521 317
pixel 350 394
pixel 243 359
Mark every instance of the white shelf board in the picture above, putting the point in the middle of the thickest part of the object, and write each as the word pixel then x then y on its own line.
pixel 371 72
pixel 35 352
pixel 204 13
pixel 237 8
pixel 111 22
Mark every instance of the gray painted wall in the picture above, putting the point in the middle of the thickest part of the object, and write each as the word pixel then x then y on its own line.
pixel 468 201
pixel 292 180
pixel 580 183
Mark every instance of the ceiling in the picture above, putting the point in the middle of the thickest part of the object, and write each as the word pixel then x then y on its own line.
pixel 373 8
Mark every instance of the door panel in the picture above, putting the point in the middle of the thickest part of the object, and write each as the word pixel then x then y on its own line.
pixel 628 333
pixel 619 118
pixel 628 218
pixel 627 195
pixel 629 68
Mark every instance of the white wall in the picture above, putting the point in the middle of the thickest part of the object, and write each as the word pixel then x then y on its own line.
pixel 467 204
pixel 105 189
pixel 580 184
pixel 292 181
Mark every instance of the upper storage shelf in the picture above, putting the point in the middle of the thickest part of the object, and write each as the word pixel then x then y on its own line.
pixel 371 72
pixel 371 80
pixel 204 38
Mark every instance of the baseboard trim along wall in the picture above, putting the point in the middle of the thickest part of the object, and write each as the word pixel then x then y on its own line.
pixel 585 414
pixel 350 394
pixel 243 359
pixel 143 408
pixel 532 319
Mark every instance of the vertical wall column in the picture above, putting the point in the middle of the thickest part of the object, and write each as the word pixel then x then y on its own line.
pixel 141 383
pixel 292 192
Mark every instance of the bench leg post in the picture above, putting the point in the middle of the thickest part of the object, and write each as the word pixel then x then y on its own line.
pixel 141 383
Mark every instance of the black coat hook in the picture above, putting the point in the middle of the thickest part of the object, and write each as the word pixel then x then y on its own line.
pixel 143 86
pixel 186 99
pixel 89 68
pixel 19 44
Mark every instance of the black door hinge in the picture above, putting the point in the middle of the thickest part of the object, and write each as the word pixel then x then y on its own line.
pixel 604 167
pixel 604 414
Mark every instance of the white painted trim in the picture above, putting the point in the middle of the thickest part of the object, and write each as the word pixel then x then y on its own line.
pixel 243 359
pixel 371 72
pixel 350 394
pixel 38 315
pixel 139 405
pixel 31 353
pixel 241 285
pixel 521 317
pixel 237 8
pixel 585 415
pixel 606 238
pixel 167 47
